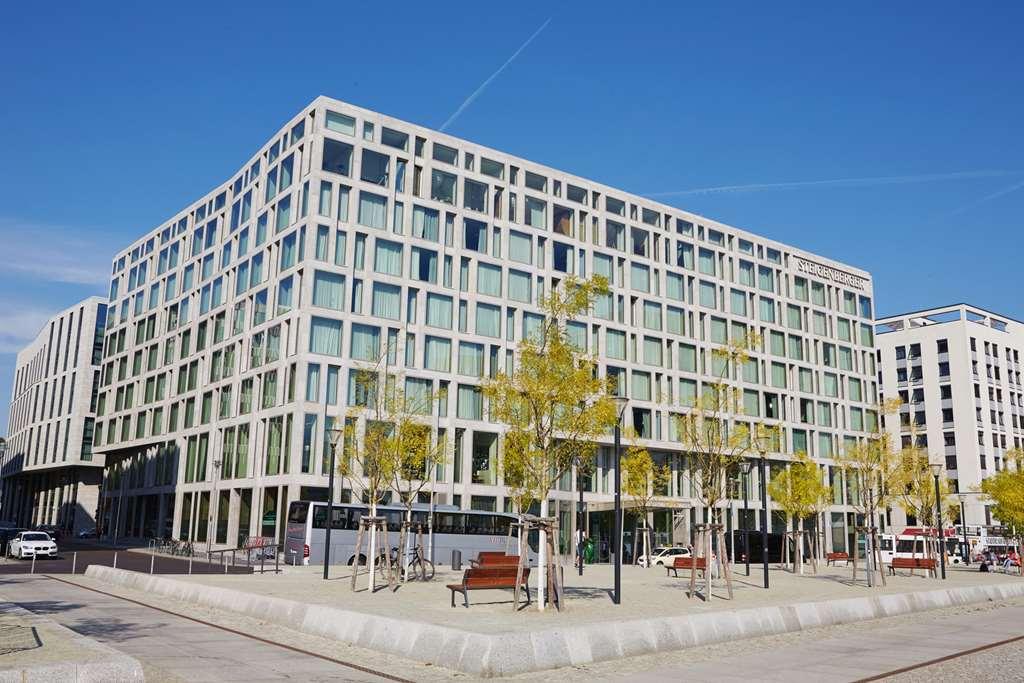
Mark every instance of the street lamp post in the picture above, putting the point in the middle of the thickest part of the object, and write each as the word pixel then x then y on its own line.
pixel 620 407
pixel 936 468
pixel 211 527
pixel 335 435
pixel 764 517
pixel 745 469
pixel 580 517
pixel 965 552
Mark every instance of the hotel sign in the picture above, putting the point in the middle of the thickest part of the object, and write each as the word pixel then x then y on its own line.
pixel 835 275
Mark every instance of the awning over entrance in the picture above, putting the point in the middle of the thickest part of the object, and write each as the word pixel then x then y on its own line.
pixel 657 503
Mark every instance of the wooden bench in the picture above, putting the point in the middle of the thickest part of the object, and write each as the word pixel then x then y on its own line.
pixel 483 578
pixel 910 563
pixel 832 558
pixel 492 559
pixel 686 563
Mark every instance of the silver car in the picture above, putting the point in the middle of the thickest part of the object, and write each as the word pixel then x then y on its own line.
pixel 32 544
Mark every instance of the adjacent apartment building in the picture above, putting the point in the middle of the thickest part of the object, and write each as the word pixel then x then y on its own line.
pixel 236 326
pixel 48 472
pixel 957 370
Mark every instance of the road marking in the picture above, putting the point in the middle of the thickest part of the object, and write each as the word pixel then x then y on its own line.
pixel 357 667
pixel 939 660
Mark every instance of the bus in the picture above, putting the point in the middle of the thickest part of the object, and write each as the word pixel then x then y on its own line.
pixel 911 544
pixel 468 531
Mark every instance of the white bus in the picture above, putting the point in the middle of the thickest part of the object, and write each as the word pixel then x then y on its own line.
pixel 469 531
pixel 911 544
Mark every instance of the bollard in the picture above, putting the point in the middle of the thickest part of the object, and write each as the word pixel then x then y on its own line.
pixel 115 559
pixel 152 561
pixel 74 562
pixel 277 561
pixel 33 563
pixel 190 565
pixel 263 557
pixel 225 567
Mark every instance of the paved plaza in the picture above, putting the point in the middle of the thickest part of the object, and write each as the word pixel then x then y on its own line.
pixel 645 593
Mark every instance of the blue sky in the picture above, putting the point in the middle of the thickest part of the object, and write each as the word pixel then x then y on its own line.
pixel 113 119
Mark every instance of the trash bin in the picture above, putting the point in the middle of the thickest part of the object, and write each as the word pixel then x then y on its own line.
pixel 456 560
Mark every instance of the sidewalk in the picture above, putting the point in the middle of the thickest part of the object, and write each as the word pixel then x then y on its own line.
pixel 34 648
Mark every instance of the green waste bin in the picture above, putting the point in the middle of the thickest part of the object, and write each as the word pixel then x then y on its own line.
pixel 588 551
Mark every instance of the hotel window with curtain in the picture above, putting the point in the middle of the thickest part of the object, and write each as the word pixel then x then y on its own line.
pixel 437 354
pixel 640 277
pixel 425 223
pixel 471 359
pixel 387 258
pixel 439 311
pixel 387 301
pixel 325 336
pixel 652 315
pixel 424 265
pixel 615 344
pixel 488 320
pixel 519 286
pixel 372 210
pixel 520 247
pixel 328 290
pixel 652 351
pixel 488 279
pixel 470 403
pixel 365 343
pixel 536 213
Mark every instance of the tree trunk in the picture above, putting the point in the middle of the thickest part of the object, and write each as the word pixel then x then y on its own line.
pixel 800 544
pixel 542 547
pixel 407 546
pixel 373 547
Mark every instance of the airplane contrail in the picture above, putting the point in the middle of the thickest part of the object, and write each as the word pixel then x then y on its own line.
pixel 476 93
pixel 839 182
pixel 987 198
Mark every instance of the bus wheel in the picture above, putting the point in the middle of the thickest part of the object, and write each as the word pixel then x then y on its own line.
pixel 362 560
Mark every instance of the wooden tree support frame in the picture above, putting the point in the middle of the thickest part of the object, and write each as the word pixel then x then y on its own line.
pixel 416 563
pixel 796 538
pixel 876 551
pixel 705 532
pixel 643 543
pixel 549 525
pixel 367 523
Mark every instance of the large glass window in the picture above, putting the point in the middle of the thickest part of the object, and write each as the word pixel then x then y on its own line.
pixel 520 247
pixel 374 168
pixel 442 187
pixel 471 359
pixel 372 210
pixel 387 301
pixel 474 195
pixel 387 258
pixel 488 320
pixel 438 354
pixel 474 235
pixel 337 157
pixel 424 223
pixel 519 286
pixel 329 290
pixel 536 213
pixel 439 310
pixel 424 264
pixel 615 344
pixel 325 336
pixel 365 343
pixel 640 277
pixel 488 279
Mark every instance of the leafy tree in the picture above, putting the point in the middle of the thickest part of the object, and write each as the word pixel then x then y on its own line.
pixel 709 432
pixel 1006 490
pixel 554 404
pixel 642 478
pixel 914 486
pixel 800 492
pixel 870 467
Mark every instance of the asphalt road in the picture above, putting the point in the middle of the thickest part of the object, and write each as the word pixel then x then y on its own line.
pixel 171 648
pixel 78 557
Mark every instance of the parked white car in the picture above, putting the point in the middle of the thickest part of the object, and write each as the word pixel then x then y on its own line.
pixel 662 556
pixel 32 544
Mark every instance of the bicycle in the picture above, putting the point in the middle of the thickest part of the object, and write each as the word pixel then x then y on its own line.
pixel 419 567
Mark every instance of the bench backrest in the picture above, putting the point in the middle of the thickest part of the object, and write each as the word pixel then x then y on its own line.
pixel 913 563
pixel 688 562
pixel 836 556
pixel 499 560
pixel 493 576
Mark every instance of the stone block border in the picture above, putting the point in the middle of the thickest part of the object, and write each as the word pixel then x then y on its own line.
pixel 504 654
pixel 109 666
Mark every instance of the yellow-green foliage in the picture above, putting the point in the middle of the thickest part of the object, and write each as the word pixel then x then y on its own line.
pixel 914 486
pixel 1006 489
pixel 554 404
pixel 709 433
pixel 641 477
pixel 799 490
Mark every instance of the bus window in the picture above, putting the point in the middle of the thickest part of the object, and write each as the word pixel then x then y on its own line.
pixel 477 523
pixel 319 516
pixel 449 522
pixel 298 512
pixel 393 517
pixel 501 524
pixel 886 544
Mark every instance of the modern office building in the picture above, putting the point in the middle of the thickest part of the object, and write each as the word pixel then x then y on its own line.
pixel 48 472
pixel 237 325
pixel 957 370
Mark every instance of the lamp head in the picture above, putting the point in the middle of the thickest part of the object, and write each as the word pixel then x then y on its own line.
pixel 335 435
pixel 936 468
pixel 620 405
pixel 746 466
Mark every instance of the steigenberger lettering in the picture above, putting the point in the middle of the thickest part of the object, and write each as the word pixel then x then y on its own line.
pixel 829 273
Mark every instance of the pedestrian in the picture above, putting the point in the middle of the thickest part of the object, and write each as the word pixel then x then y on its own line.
pixel 581 540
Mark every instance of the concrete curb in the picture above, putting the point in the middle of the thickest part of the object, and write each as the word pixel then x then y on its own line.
pixel 504 654
pixel 111 666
